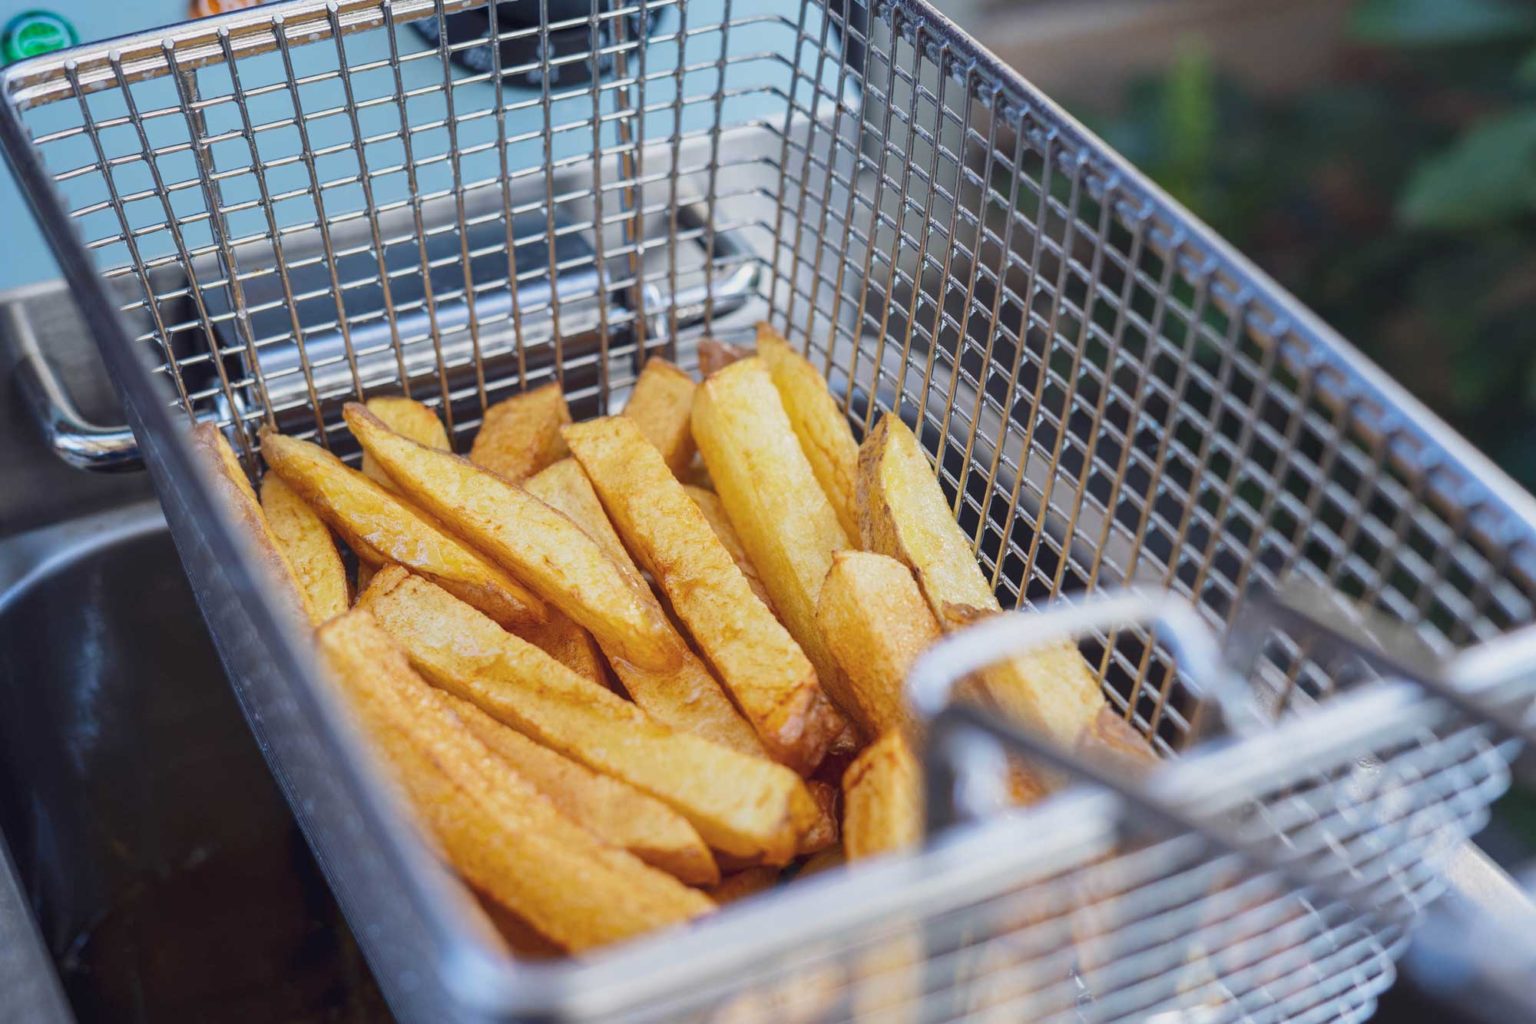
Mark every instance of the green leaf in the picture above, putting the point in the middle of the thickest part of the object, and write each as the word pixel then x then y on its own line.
pixel 1441 22
pixel 1487 176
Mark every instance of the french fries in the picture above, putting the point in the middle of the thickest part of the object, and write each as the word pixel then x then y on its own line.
pixel 234 490
pixel 882 799
pixel 618 814
pixel 382 528
pixel 743 806
pixel 714 512
pixel 543 548
pixel 823 834
pixel 824 433
pixel 311 551
pixel 687 698
pixel 717 355
pixel 744 883
pixel 569 644
pixel 521 435
pixel 780 512
pixel 661 406
pixel 876 623
pixel 408 418
pixel 765 671
pixel 494 826
pixel 903 514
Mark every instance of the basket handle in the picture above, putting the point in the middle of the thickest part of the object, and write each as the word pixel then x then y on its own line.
pixel 75 439
pixel 1491 682
pixel 960 735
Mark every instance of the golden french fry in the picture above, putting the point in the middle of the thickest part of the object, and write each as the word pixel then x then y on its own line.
pixel 882 799
pixel 709 504
pixel 569 644
pixel 824 432
pixel 542 547
pixel 382 528
pixel 234 489
pixel 717 355
pixel 494 826
pixel 765 671
pixel 522 939
pixel 744 806
pixel 661 405
pixel 823 834
pixel 743 883
pixel 408 418
pixel 903 514
pixel 876 623
pixel 783 518
pixel 688 698
pixel 616 813
pixel 521 435
pixel 306 540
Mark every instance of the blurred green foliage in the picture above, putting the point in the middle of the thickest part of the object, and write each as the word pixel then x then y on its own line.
pixel 1398 199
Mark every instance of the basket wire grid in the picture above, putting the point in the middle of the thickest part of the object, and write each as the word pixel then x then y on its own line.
pixel 269 213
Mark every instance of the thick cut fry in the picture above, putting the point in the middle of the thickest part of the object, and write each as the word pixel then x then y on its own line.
pixel 408 418
pixel 569 644
pixel 876 623
pixel 766 672
pixel 661 406
pixel 744 806
pixel 688 698
pixel 709 504
pixel 542 547
pixel 903 514
pixel 495 827
pixel 824 433
pixel 306 540
pixel 717 355
pixel 882 799
pixel 744 883
pixel 823 833
pixel 521 435
pixel 522 939
pixel 616 813
pixel 234 489
pixel 1113 740
pixel 779 510
pixel 382 528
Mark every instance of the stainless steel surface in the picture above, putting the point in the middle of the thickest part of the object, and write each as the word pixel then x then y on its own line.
pixel 29 988
pixel 1110 395
pixel 168 880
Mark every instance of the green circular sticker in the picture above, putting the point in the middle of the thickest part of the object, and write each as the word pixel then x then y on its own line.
pixel 35 32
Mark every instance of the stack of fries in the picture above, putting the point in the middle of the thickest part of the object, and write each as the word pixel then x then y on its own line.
pixel 628 669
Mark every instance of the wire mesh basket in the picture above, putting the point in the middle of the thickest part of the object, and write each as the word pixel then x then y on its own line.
pixel 269 213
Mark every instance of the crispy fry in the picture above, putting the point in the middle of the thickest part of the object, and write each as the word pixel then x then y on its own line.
pixel 824 833
pixel 408 418
pixel 521 435
pixel 311 551
pixel 717 355
pixel 661 405
pixel 743 883
pixel 522 939
pixel 744 806
pixel 234 489
pixel 824 433
pixel 882 799
pixel 876 623
pixel 526 537
pixel 783 518
pixel 709 504
pixel 498 831
pixel 687 698
pixel 382 528
pixel 569 644
pixel 767 674
pixel 903 514
pixel 611 810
